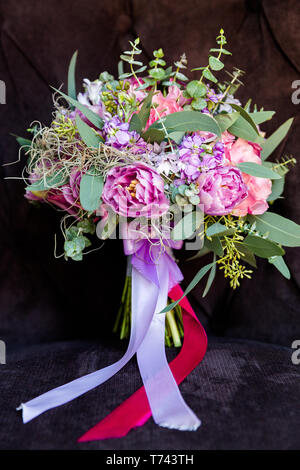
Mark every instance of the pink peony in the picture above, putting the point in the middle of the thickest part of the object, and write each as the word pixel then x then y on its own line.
pixel 258 188
pixel 135 190
pixel 228 141
pixel 72 189
pixel 221 190
pixel 165 105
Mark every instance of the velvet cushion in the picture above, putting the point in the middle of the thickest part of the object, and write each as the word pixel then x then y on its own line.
pixel 246 394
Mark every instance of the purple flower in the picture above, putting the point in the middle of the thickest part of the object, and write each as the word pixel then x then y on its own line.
pixel 213 96
pixel 135 190
pixel 221 189
pixel 195 158
pixel 189 161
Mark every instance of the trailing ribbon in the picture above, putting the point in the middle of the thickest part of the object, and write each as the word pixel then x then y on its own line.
pixel 135 411
pixel 154 274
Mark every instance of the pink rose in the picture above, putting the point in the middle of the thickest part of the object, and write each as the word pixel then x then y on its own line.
pixel 258 188
pixel 135 190
pixel 221 190
pixel 165 105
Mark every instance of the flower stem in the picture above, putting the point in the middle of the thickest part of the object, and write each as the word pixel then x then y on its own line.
pixel 173 327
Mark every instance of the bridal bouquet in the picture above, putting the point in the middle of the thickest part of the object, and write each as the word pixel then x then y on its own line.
pixel 156 159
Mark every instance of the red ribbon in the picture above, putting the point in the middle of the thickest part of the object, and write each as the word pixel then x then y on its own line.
pixel 135 411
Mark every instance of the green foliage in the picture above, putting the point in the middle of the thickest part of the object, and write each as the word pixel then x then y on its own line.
pixel 262 247
pixel 138 121
pixel 280 264
pixel 258 170
pixel 187 121
pixel 130 58
pixel 226 120
pixel 190 287
pixel 272 142
pixel 278 229
pixel 88 135
pixel 71 76
pixel 22 141
pixel 88 113
pixel 211 277
pixel 47 182
pixel 261 116
pixel 75 241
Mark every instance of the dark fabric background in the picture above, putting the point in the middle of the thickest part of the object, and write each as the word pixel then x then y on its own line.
pixel 42 299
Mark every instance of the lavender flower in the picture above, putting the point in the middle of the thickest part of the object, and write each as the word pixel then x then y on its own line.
pixel 196 157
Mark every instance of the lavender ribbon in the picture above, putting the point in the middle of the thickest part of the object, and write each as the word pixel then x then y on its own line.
pixel 154 273
pixel 155 263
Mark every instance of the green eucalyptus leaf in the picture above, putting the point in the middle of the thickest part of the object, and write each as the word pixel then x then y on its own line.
pixel 177 136
pixel 258 170
pixel 247 255
pixel 244 115
pixel 242 128
pixel 145 110
pixel 277 189
pixel 91 187
pixel 224 51
pixel 219 229
pixel 279 229
pixel 88 113
pixel 215 63
pixel 226 120
pixel 211 277
pixel 207 74
pixel 261 247
pixel 191 286
pixel 196 89
pixel 71 77
pixel 157 74
pixel 88 135
pixel 261 116
pixel 188 121
pixel 199 104
pixel 272 142
pixel 280 264
pixel 153 135
pixel 214 245
pixel 136 123
pixel 23 142
pixel 48 182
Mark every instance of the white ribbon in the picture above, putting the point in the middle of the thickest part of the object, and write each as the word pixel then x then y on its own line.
pixel 166 402
pixel 147 339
